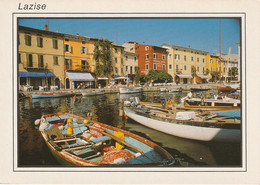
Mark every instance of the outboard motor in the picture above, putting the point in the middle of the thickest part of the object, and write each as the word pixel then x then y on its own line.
pixel 137 100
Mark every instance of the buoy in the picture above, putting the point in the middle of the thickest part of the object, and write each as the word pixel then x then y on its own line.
pixel 37 122
pixel 69 126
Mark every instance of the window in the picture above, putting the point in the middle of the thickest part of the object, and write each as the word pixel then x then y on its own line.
pixel 147 56
pixel 131 69
pixel 126 68
pixel 84 50
pixel 68 63
pixel 198 69
pixel 163 67
pixel 177 68
pixel 185 67
pixel 116 50
pixel 154 56
pixel 83 42
pixel 39 42
pixel 198 59
pixel 126 57
pixel 55 43
pixel 84 65
pixel 185 58
pixel 27 40
pixel 224 69
pixel 191 58
pixel 154 66
pixel 19 58
pixel 170 66
pixel 115 60
pixel 122 61
pixel 177 57
pixel 170 56
pixel 163 57
pixel 146 48
pixel 203 60
pixel 217 61
pixel 211 69
pixel 29 60
pixel 67 48
pixel 135 59
pixel 55 60
pixel 116 70
pixel 203 69
pixel 40 61
pixel 147 66
pixel 210 61
pixel 122 70
pixel 217 69
pixel 122 51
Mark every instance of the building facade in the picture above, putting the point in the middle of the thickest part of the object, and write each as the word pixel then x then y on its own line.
pixel 40 58
pixel 186 65
pixel 150 57
pixel 131 63
pixel 118 60
pixel 77 62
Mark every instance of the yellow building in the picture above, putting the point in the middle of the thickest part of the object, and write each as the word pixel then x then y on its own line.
pixel 77 60
pixel 184 64
pixel 40 58
pixel 118 59
pixel 213 67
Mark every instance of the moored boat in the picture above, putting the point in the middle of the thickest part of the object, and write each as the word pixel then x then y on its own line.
pixel 189 125
pixel 126 90
pixel 226 88
pixel 92 92
pixel 50 95
pixel 77 141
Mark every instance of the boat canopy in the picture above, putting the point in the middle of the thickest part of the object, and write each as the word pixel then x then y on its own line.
pixel 74 76
pixel 203 76
pixel 102 78
pixel 120 78
pixel 35 74
pixel 184 76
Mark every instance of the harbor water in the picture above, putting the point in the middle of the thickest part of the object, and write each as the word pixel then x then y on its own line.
pixel 33 152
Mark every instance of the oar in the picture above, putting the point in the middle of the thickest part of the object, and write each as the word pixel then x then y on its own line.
pixel 107 133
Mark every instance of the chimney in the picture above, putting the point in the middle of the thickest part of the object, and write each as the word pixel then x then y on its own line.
pixel 46 27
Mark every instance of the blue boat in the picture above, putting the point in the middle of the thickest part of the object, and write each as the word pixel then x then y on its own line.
pixel 77 141
pixel 51 95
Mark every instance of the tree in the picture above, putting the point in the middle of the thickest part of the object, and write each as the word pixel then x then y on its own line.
pixel 215 76
pixel 233 72
pixel 158 76
pixel 103 58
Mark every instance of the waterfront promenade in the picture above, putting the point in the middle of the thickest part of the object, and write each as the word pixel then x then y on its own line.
pixel 156 88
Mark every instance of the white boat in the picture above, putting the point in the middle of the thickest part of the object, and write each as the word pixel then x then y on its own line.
pixel 92 92
pixel 187 125
pixel 125 90
pixel 163 89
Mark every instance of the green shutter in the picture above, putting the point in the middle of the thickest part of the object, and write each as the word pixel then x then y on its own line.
pixel 27 60
pixel 38 42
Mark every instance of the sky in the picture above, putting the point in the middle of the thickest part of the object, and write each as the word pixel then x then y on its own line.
pixel 198 33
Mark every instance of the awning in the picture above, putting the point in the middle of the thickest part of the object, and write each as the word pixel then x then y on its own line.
pixel 80 76
pixel 119 78
pixel 102 78
pixel 184 76
pixel 203 76
pixel 35 74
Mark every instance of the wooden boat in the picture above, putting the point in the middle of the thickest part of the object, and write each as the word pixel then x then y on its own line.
pixel 199 89
pixel 207 127
pixel 51 95
pixel 176 90
pixel 126 90
pixel 226 88
pixel 77 141
pixel 93 92
pixel 213 102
